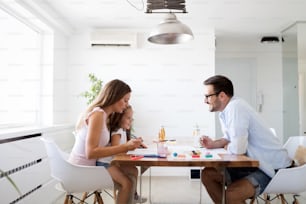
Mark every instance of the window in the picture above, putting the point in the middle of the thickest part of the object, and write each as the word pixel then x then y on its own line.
pixel 20 77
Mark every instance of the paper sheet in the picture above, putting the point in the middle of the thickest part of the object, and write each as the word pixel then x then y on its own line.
pixel 147 151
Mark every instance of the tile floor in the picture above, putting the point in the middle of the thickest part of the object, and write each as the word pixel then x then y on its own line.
pixel 177 190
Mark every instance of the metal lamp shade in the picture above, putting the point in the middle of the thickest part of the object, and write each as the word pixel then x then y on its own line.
pixel 170 31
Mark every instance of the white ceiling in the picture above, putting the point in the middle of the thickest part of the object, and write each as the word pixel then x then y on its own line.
pixel 227 17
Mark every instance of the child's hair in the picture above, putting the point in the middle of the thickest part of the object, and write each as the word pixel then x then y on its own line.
pixel 115 120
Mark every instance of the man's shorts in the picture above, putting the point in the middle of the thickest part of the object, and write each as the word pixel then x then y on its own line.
pixel 256 176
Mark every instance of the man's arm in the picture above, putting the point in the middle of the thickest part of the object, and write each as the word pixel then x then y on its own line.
pixel 208 143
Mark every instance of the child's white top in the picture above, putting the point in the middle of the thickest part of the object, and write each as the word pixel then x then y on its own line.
pixel 122 134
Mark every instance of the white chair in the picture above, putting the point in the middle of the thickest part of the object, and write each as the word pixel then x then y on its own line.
pixel 273 131
pixel 76 178
pixel 289 180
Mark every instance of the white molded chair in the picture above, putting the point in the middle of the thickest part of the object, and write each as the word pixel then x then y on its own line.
pixel 289 180
pixel 76 178
pixel 273 131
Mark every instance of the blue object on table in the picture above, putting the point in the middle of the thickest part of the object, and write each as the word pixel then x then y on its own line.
pixel 153 156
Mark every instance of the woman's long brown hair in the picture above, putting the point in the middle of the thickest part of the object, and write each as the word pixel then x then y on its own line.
pixel 112 92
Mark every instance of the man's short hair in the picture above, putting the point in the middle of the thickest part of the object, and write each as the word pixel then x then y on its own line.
pixel 221 83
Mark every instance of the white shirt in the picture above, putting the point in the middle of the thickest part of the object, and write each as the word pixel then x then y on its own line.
pixel 122 134
pixel 249 135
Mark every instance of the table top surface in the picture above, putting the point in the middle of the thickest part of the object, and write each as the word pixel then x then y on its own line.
pixel 225 160
pixel 184 158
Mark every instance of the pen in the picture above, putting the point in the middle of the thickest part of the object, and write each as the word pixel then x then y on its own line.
pixel 194 152
pixel 172 140
pixel 134 137
pixel 157 141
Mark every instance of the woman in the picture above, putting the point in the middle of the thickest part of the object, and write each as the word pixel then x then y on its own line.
pixel 92 145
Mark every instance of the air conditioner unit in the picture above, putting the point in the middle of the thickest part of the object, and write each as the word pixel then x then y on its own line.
pixel 116 38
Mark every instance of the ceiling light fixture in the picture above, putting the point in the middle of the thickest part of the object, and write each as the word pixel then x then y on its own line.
pixel 170 30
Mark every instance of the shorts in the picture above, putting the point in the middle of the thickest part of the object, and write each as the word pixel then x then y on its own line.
pixel 256 176
pixel 106 165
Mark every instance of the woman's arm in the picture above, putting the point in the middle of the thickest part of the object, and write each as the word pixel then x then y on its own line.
pixel 92 148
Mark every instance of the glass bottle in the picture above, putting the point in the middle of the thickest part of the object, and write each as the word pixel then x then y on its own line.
pixel 162 134
pixel 196 136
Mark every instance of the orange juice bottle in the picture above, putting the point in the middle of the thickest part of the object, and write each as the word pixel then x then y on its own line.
pixel 162 134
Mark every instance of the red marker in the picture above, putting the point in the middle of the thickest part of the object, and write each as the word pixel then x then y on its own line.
pixel 136 157
pixel 196 156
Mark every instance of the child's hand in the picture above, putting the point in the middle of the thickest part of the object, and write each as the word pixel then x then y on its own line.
pixel 142 145
pixel 133 144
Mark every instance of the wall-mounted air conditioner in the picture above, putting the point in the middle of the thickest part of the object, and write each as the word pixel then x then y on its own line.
pixel 115 38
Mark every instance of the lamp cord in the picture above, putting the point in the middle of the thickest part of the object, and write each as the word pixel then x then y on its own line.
pixel 139 9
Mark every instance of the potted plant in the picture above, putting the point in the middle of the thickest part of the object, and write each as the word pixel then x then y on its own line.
pixel 96 85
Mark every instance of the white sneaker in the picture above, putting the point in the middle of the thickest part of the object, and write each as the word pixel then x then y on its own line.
pixel 138 200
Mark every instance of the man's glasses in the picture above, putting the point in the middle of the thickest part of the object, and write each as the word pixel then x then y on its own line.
pixel 209 95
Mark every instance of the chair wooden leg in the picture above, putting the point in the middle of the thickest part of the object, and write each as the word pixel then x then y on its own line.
pixel 267 198
pixel 84 197
pixel 252 200
pixel 70 199
pixel 99 198
pixel 282 197
pixel 95 199
pixel 66 199
pixel 295 200
pixel 115 194
pixel 116 189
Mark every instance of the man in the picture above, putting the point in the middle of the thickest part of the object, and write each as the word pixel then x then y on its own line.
pixel 244 132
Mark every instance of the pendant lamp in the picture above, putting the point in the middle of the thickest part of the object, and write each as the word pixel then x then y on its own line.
pixel 170 31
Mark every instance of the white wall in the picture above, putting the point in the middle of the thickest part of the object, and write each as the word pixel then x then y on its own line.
pixel 302 76
pixel 166 81
pixel 267 62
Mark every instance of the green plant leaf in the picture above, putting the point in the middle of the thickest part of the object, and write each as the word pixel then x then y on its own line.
pixel 96 85
pixel 12 182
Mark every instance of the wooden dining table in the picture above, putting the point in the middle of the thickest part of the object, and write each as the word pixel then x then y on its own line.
pixel 222 162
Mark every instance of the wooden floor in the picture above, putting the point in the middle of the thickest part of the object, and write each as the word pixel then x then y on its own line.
pixel 177 190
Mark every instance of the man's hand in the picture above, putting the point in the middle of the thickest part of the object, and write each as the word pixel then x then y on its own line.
pixel 206 142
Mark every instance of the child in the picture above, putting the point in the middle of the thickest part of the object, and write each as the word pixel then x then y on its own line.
pixel 120 126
